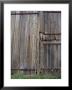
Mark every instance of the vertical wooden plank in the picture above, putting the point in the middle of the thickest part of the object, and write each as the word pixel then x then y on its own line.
pixel 59 56
pixel 38 65
pixel 49 31
pixel 58 30
pixel 52 30
pixel 34 30
pixel 12 38
pixel 13 19
pixel 28 49
pixel 22 41
pixel 49 56
pixel 26 40
pixel 45 56
pixel 33 40
pixel 54 23
pixel 28 33
pixel 42 24
pixel 55 55
pixel 41 44
pixel 59 22
pixel 49 21
pixel 46 21
pixel 46 31
pixel 52 56
pixel 16 44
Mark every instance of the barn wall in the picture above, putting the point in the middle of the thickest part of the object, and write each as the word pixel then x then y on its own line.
pixel 28 51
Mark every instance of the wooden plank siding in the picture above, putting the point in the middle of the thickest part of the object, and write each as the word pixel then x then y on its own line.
pixel 35 40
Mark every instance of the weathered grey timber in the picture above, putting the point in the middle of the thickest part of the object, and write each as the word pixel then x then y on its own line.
pixel 35 40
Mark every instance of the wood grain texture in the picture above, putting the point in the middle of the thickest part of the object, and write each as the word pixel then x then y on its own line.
pixel 35 40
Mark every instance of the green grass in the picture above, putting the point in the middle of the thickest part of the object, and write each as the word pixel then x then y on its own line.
pixel 40 76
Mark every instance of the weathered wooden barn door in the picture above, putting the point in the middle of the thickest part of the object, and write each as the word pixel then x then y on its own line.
pixel 35 41
pixel 25 40
pixel 50 41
